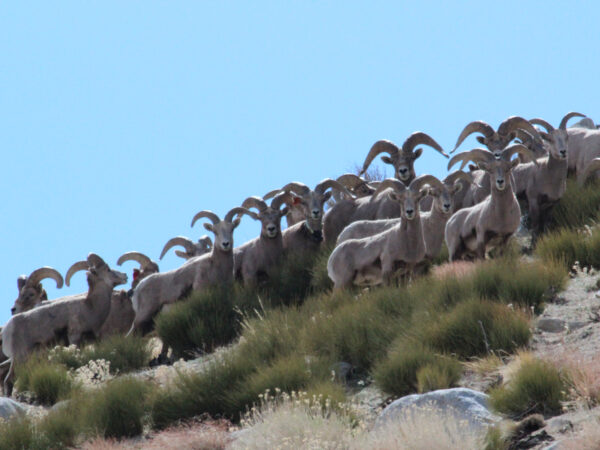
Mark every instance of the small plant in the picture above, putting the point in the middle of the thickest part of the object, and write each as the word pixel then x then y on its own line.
pixel 49 382
pixel 124 353
pixel 570 245
pixel 443 373
pixel 578 207
pixel 537 387
pixel 19 433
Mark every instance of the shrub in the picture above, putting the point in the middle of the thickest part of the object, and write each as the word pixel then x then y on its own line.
pixel 474 328
pixel 48 381
pixel 578 207
pixel 204 321
pixel 537 387
pixel 569 246
pixel 443 373
pixel 125 354
pixel 118 408
pixel 19 433
pixel 60 428
pixel 320 281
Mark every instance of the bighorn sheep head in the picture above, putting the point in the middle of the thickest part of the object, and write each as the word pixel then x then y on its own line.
pixel 355 184
pixel 402 159
pixel 409 197
pixel 31 292
pixel 496 141
pixel 557 138
pixel 223 229
pixel 147 266
pixel 204 245
pixel 443 197
pixel 98 272
pixel 269 216
pixel 498 168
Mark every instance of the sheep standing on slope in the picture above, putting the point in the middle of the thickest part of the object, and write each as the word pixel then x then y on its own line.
pixel 257 258
pixel 472 231
pixel 210 269
pixel 73 317
pixel 374 259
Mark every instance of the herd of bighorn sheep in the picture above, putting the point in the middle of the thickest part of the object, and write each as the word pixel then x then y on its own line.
pixel 378 230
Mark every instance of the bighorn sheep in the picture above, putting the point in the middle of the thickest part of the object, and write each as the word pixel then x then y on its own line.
pixel 359 187
pixel 31 292
pixel 258 257
pixel 584 146
pixel 478 228
pixel 204 245
pixel 592 167
pixel 433 222
pixel 73 317
pixel 307 235
pixel 374 259
pixel 496 141
pixel 403 159
pixel 543 183
pixel 216 267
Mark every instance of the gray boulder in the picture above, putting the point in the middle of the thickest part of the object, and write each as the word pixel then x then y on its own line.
pixel 468 405
pixel 10 408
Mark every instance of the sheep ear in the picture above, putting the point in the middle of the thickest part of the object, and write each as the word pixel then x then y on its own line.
pixel 209 227
pixel 387 160
pixel 417 153
pixel 457 187
pixel 481 140
pixel 21 282
pixel 483 166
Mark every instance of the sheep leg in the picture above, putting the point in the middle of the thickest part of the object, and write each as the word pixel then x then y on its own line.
pixel 8 380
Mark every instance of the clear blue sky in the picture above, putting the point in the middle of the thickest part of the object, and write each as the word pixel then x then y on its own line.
pixel 120 120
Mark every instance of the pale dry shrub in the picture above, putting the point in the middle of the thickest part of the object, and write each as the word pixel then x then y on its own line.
pixel 294 421
pixel 484 365
pixel 583 375
pixel 93 374
pixel 456 269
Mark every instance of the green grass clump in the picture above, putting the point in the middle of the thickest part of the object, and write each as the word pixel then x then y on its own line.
pixel 442 373
pixel 60 427
pixel 579 206
pixel 48 381
pixel 397 373
pixel 19 433
pixel 125 354
pixel 204 321
pixel 320 281
pixel 117 409
pixel 537 387
pixel 568 246
pixel 466 328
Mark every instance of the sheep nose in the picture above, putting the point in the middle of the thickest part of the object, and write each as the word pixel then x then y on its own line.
pixel 12 310
pixel 447 206
pixel 315 213
pixel 500 182
pixel 271 228
pixel 225 244
pixel 563 153
pixel 409 212
pixel 403 170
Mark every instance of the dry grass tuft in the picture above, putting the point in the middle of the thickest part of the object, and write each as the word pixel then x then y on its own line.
pixel 584 376
pixel 456 269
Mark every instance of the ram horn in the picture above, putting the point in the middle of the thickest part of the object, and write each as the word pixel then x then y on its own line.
pixel 255 202
pixel 515 122
pixel 208 214
pixel 528 140
pixel 239 210
pixel 45 272
pixel 186 243
pixel 520 149
pixel 138 257
pixel 382 146
pixel 80 265
pixel 591 168
pixel 271 194
pixel 349 180
pixel 563 122
pixel 328 183
pixel 478 126
pixel 541 122
pixel 458 175
pixel 280 199
pixel 475 155
pixel 297 188
pixel 420 138
pixel 421 180
pixel 206 241
pixel 393 183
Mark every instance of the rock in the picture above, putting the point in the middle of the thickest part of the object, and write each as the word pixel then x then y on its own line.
pixel 550 324
pixel 10 408
pixel 559 425
pixel 575 325
pixel 470 406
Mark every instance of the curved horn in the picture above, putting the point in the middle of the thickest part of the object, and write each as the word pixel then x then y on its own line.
pixel 563 122
pixel 350 180
pixel 271 194
pixel 541 122
pixel 591 168
pixel 186 243
pixel 45 272
pixel 515 122
pixel 393 183
pixel 95 261
pixel 511 150
pixel 279 199
pixel 417 183
pixel 208 214
pixel 478 126
pixel 328 183
pixel 382 146
pixel 138 257
pixel 80 265
pixel 237 210
pixel 297 188
pixel 206 240
pixel 458 175
pixel 255 202
pixel 475 155
pixel 420 138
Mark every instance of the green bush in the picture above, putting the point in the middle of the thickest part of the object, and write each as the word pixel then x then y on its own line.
pixel 578 207
pixel 466 328
pixel 60 428
pixel 442 373
pixel 48 381
pixel 125 354
pixel 204 321
pixel 537 387
pixel 320 281
pixel 117 409
pixel 19 433
pixel 396 374
pixel 568 246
